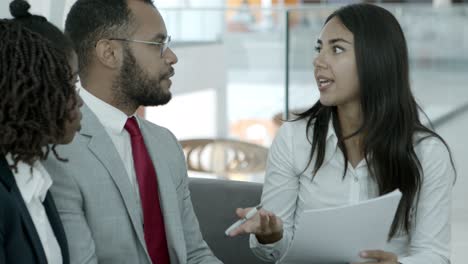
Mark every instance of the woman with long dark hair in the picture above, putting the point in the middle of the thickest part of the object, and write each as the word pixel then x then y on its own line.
pixel 362 139
pixel 39 108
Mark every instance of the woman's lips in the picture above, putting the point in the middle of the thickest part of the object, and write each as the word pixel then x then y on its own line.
pixel 324 84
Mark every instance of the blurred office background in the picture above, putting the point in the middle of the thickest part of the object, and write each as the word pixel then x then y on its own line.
pixel 245 64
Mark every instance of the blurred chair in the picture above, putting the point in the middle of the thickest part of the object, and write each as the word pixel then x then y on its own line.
pixel 224 157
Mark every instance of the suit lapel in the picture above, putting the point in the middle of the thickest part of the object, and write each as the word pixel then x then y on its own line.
pixel 156 146
pixel 8 179
pixel 6 176
pixel 103 148
pixel 57 226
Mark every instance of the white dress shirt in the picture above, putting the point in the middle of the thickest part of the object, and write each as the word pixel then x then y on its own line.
pixel 287 193
pixel 33 184
pixel 114 121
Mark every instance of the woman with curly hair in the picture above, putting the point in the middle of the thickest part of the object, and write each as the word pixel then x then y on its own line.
pixel 39 108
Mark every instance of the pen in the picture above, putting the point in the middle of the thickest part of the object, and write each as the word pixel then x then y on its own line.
pixel 239 222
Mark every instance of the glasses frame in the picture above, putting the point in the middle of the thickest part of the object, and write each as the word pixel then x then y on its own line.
pixel 162 45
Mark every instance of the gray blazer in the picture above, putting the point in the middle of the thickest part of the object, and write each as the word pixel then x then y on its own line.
pixel 99 208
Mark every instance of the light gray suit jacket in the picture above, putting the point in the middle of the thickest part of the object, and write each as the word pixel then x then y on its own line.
pixel 99 207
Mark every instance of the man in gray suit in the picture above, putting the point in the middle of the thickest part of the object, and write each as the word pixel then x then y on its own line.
pixel 123 195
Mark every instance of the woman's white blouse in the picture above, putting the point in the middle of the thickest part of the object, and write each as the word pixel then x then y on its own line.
pixel 287 192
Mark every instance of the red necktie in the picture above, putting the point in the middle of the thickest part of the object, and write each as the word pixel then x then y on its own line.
pixel 155 235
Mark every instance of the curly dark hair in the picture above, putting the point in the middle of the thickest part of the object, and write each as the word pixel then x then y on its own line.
pixel 36 87
pixel 19 9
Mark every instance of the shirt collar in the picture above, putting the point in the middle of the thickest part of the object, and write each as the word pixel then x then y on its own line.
pixel 110 117
pixel 331 134
pixel 331 143
pixel 32 181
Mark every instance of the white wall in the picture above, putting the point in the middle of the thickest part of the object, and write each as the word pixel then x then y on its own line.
pixel 198 108
pixel 199 67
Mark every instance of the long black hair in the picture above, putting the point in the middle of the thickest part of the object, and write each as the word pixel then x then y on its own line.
pixel 390 114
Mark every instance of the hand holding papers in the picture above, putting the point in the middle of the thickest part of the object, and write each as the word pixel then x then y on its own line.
pixel 337 235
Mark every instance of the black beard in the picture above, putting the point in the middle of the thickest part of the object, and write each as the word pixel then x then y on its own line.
pixel 136 87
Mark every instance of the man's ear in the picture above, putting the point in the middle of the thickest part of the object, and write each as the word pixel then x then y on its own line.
pixel 109 53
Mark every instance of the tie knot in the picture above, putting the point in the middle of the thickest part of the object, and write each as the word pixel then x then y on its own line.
pixel 132 127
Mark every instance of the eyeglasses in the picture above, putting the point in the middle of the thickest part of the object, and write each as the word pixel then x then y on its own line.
pixel 162 45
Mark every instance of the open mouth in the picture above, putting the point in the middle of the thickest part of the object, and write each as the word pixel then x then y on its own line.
pixel 324 82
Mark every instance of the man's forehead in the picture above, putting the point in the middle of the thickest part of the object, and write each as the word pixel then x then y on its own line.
pixel 148 20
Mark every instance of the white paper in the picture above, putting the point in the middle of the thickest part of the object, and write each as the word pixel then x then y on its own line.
pixel 337 235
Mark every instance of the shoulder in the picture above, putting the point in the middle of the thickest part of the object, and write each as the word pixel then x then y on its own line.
pixel 435 158
pixel 427 146
pixel 156 129
pixel 292 142
pixel 296 124
pixel 162 136
pixel 294 130
pixel 295 136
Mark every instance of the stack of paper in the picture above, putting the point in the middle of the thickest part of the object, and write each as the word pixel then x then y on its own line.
pixel 337 235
